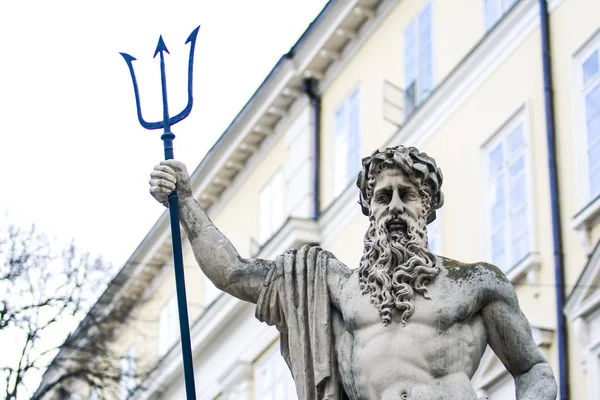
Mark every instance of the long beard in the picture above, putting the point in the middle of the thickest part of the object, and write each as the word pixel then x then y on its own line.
pixel 396 265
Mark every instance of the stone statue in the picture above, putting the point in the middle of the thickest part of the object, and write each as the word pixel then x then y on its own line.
pixel 406 324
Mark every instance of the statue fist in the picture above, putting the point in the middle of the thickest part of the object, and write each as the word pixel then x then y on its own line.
pixel 168 176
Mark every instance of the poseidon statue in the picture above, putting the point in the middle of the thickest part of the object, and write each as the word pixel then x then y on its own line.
pixel 405 324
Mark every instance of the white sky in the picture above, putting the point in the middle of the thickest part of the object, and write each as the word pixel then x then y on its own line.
pixel 74 158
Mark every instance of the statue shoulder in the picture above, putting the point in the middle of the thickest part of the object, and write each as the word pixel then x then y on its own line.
pixel 482 274
pixel 338 277
pixel 338 269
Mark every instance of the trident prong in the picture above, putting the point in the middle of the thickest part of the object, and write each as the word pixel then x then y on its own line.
pixel 167 138
pixel 167 121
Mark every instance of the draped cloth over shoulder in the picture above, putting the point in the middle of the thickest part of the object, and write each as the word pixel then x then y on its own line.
pixel 295 299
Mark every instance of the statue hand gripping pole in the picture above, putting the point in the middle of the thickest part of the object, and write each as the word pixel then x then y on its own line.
pixel 167 137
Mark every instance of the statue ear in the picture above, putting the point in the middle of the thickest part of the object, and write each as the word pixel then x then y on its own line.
pixel 364 206
pixel 431 217
pixel 361 183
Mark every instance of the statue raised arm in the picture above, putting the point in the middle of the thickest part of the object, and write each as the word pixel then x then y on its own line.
pixel 215 254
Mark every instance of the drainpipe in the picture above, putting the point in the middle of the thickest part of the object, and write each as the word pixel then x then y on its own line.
pixel 561 329
pixel 311 88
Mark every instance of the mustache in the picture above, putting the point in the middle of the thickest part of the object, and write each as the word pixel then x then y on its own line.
pixel 390 223
pixel 393 218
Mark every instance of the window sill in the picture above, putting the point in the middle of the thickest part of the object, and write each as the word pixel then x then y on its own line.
pixel 529 268
pixel 585 220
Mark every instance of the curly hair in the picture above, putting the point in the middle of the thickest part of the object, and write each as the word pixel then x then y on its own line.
pixel 420 168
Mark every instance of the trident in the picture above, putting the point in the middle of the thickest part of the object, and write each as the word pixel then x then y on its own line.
pixel 167 138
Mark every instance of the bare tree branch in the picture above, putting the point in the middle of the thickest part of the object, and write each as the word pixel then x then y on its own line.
pixel 42 291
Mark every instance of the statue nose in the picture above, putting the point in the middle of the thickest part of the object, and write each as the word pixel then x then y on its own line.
pixel 396 206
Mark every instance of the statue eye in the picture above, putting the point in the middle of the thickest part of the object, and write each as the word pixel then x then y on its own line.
pixel 409 195
pixel 383 197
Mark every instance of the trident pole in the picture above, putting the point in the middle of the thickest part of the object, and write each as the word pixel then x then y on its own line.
pixel 167 138
pixel 184 324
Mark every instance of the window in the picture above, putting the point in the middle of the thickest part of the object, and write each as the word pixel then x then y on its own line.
pixel 272 377
pixel 508 212
pixel 270 207
pixel 346 142
pixel 168 326
pixel 418 60
pixel 127 380
pixel 590 72
pixel 494 10
pixel 434 235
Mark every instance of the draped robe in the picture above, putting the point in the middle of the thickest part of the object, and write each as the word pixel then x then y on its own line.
pixel 295 299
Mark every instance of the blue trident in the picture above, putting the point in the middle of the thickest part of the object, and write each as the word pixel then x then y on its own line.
pixel 167 138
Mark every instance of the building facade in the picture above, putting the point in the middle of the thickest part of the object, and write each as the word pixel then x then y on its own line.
pixel 462 80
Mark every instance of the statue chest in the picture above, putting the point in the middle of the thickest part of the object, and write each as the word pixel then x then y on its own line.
pixel 445 337
pixel 448 304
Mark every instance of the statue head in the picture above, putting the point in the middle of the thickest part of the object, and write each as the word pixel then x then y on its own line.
pixel 400 189
pixel 418 168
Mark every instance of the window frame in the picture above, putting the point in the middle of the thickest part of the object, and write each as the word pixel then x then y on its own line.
pixel 416 83
pixel 347 175
pixel 520 117
pixel 580 132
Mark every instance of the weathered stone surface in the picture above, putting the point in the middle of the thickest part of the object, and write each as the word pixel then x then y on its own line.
pixel 408 324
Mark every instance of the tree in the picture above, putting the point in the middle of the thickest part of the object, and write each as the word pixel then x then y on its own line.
pixel 43 295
